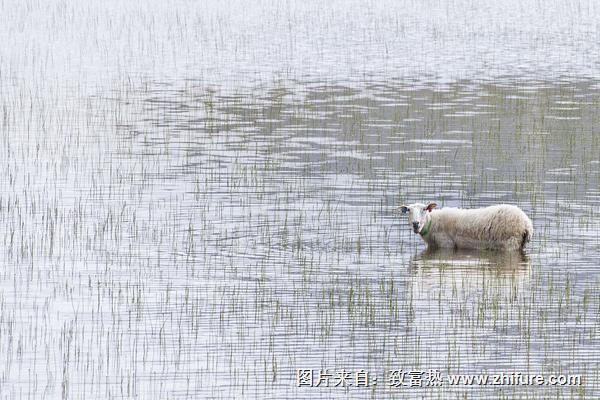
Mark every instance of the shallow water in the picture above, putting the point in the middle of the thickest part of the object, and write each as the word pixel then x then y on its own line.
pixel 204 227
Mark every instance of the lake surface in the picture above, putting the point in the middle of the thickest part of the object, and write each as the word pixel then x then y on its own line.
pixel 201 201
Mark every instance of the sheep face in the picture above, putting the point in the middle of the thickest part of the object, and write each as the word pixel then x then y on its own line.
pixel 417 214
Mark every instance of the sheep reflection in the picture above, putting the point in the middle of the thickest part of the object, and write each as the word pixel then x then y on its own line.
pixel 468 302
pixel 475 260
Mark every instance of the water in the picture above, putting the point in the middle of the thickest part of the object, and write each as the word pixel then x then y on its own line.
pixel 199 200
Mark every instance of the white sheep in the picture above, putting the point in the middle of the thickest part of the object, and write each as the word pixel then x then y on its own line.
pixel 500 227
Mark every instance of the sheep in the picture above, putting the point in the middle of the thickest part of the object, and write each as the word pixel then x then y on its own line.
pixel 499 227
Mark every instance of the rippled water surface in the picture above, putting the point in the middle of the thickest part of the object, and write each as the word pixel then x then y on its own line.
pixel 200 201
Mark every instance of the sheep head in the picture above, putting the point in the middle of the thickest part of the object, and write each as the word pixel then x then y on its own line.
pixel 418 214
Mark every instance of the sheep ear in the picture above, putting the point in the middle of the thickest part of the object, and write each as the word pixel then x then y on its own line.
pixel 431 206
pixel 404 209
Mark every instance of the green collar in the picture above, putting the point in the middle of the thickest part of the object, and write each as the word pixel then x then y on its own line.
pixel 426 228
